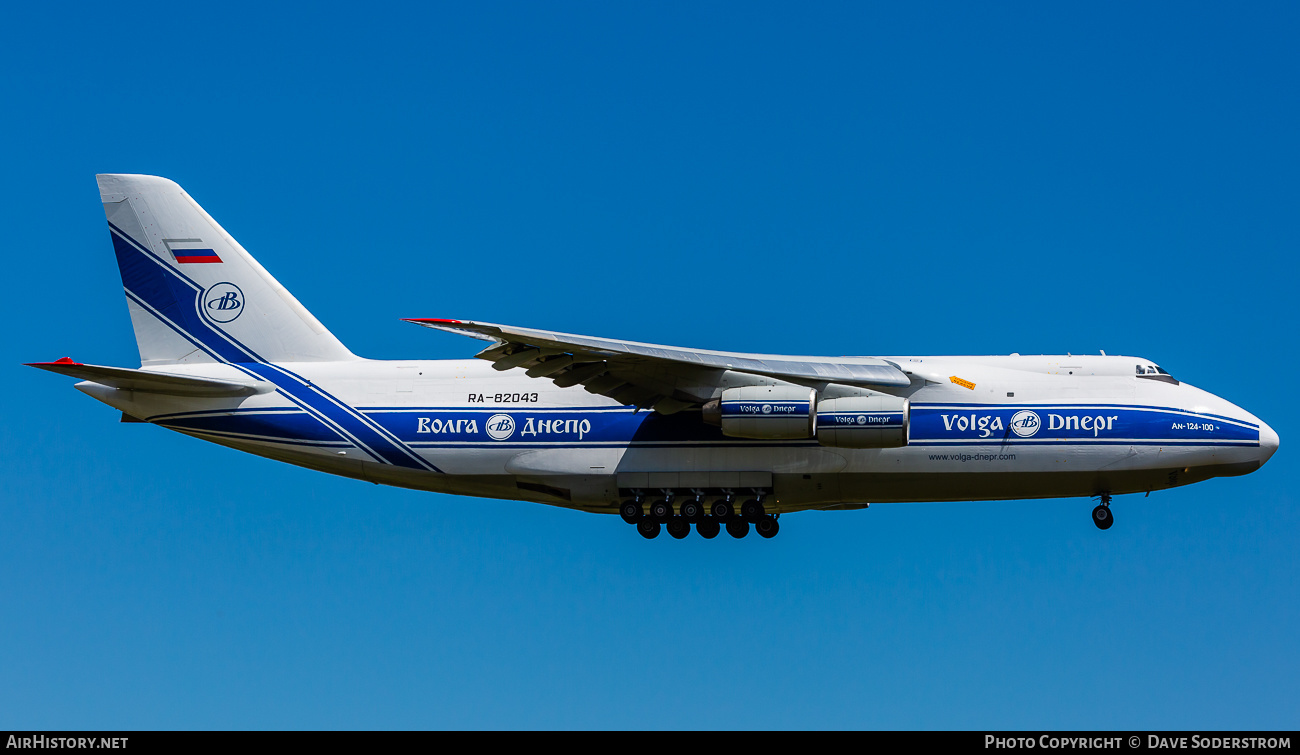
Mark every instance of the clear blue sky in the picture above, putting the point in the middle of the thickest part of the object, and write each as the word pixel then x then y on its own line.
pixel 829 178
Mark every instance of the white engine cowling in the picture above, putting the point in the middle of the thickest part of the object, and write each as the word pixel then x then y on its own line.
pixel 878 421
pixel 769 412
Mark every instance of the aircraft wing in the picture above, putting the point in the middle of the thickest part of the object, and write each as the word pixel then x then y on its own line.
pixel 666 378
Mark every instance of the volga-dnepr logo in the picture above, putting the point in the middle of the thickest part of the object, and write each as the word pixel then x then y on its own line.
pixel 500 426
pixel 1025 423
pixel 223 302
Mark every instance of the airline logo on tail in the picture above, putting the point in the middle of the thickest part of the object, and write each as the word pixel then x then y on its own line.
pixel 223 302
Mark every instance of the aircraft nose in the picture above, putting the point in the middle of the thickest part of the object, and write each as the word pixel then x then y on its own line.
pixel 1268 442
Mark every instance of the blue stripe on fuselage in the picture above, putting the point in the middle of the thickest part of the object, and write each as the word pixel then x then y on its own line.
pixel 535 427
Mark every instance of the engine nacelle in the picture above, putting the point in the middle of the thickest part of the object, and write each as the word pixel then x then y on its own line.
pixel 765 412
pixel 878 421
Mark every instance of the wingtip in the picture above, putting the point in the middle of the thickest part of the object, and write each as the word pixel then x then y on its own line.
pixel 63 361
pixel 423 320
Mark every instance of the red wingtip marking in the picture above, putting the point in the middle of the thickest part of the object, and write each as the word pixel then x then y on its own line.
pixel 64 360
pixel 430 319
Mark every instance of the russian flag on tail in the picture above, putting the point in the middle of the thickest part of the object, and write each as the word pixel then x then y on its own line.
pixel 195 255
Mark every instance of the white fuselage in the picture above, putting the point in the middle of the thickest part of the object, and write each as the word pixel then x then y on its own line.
pixel 981 428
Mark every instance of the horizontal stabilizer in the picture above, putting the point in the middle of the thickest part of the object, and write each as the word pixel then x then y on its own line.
pixel 154 382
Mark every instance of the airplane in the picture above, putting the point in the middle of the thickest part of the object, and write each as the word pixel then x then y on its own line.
pixel 665 437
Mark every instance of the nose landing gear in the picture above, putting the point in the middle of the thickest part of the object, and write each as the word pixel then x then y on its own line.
pixel 1101 516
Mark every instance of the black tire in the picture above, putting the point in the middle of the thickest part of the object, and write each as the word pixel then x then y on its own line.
pixel 660 510
pixel 767 527
pixel 692 510
pixel 631 511
pixel 678 527
pixel 751 510
pixel 722 510
pixel 737 528
pixel 708 528
pixel 648 528
pixel 1102 517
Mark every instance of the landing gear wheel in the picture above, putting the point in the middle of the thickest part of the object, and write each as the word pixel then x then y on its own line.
pixel 649 529
pixel 678 527
pixel 751 510
pixel 1102 517
pixel 660 510
pixel 722 510
pixel 737 528
pixel 630 511
pixel 767 526
pixel 692 510
pixel 708 528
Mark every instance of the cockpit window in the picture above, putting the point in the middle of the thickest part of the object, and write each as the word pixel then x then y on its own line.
pixel 1151 371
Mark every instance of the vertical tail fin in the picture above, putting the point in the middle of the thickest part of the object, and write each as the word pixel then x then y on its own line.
pixel 194 294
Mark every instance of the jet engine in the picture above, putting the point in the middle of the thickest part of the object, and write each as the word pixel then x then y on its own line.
pixel 876 421
pixel 765 412
pixel 791 412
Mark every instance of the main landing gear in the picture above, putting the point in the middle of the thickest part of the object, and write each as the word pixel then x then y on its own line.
pixel 737 528
pixel 676 511
pixel 1101 516
pixel 767 527
pixel 632 510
